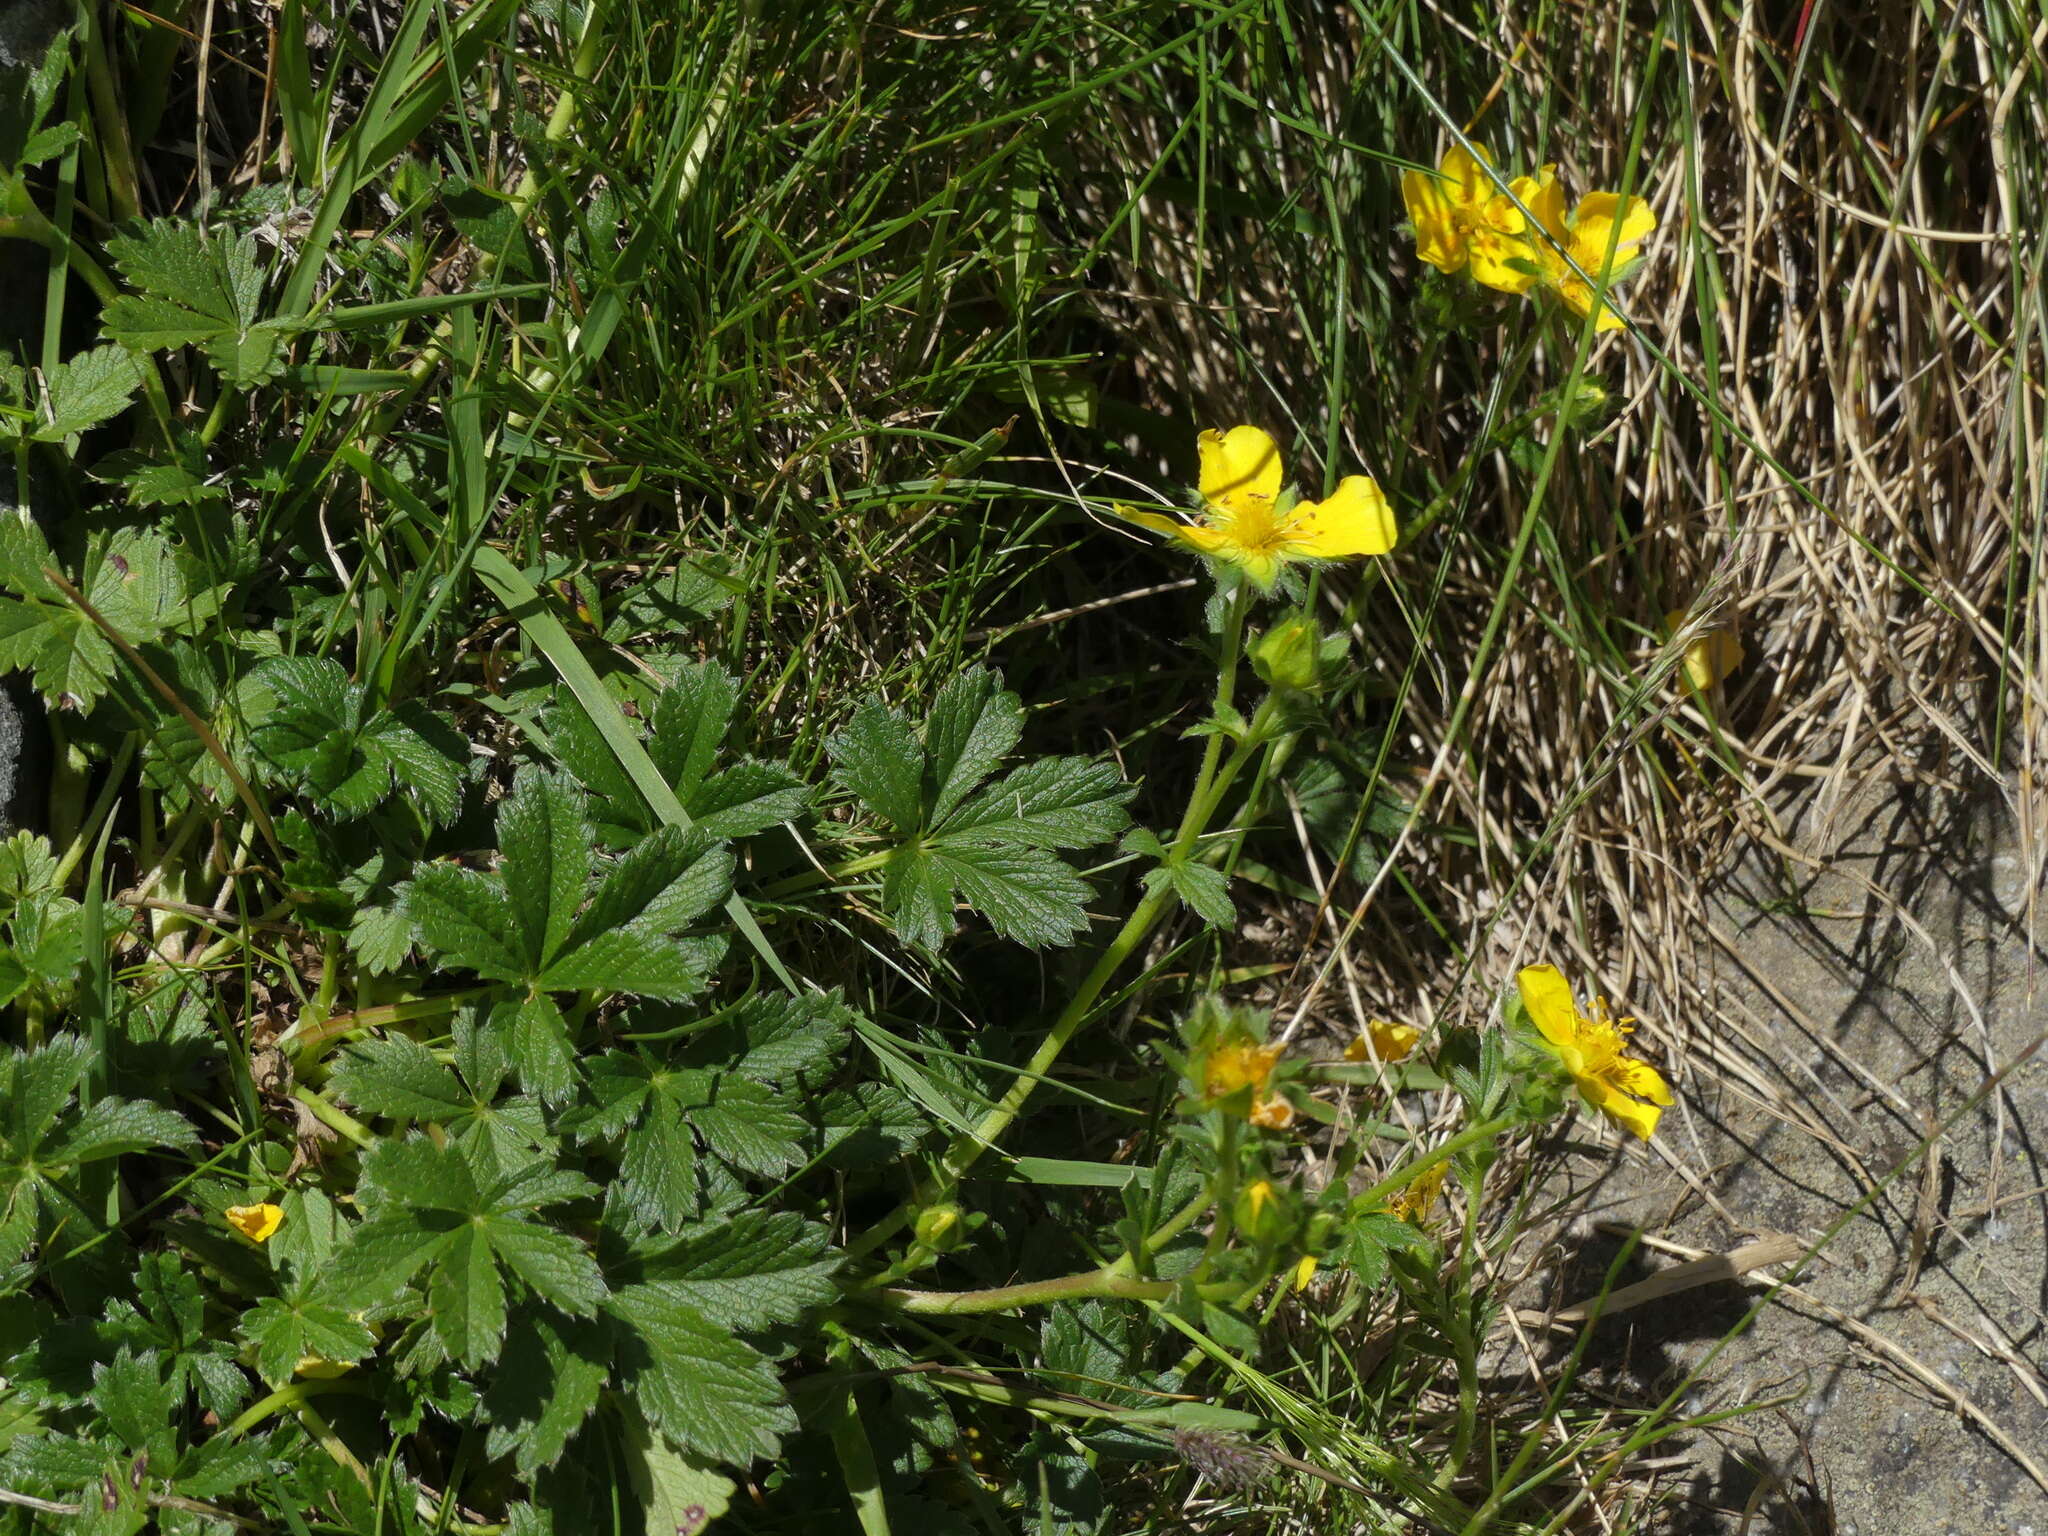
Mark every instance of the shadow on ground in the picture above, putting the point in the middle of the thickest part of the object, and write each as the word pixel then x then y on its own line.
pixel 1866 984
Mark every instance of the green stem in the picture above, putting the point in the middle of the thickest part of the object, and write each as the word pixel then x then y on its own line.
pixel 101 809
pixel 836 874
pixel 1408 1173
pixel 29 224
pixel 1223 1194
pixel 1104 1282
pixel 1211 781
pixel 1464 1344
pixel 116 154
pixel 334 1117
pixel 1165 1233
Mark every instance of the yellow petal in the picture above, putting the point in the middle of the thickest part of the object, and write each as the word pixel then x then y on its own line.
pixel 1388 1042
pixel 1639 1080
pixel 1273 1114
pixel 1305 1271
pixel 1593 221
pixel 1548 997
pixel 1709 658
pixel 1158 522
pixel 1465 175
pixel 255 1222
pixel 1628 1113
pixel 1437 240
pixel 1544 196
pixel 1240 469
pixel 1504 263
pixel 1356 520
pixel 1712 657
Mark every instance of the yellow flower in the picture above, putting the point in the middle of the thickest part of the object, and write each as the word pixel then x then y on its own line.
pixel 1242 1064
pixel 1243 522
pixel 1463 220
pixel 255 1222
pixel 1709 658
pixel 1305 1271
pixel 1383 1042
pixel 1585 236
pixel 1626 1091
pixel 1415 1202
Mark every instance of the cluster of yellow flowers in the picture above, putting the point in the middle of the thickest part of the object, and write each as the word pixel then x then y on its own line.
pixel 1464 222
pixel 1589 1043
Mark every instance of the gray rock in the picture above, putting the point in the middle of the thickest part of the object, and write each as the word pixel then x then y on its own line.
pixel 1849 1023
pixel 26 27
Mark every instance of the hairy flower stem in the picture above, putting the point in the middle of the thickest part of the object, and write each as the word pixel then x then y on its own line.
pixel 1212 781
pixel 1462 1338
pixel 1103 1282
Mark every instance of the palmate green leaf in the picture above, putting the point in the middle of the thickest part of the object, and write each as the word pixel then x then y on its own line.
pixel 286 1329
pixel 82 392
pixel 1027 894
pixel 689 722
pixel 467 1298
pixel 323 739
pixel 627 960
pixel 196 290
pixel 1369 1236
pixel 703 1389
pixel 755 1270
pixel 398 1077
pixel 876 756
pixel 658 1166
pixel 430 1214
pixel 174 261
pixel 544 849
pixel 132 579
pixel 471 920
pixel 1203 889
pixel 543 1387
pixel 974 725
pixel 1056 802
pixel 987 846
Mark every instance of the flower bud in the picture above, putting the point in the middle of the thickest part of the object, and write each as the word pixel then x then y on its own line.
pixel 940 1228
pixel 1289 655
pixel 1263 1213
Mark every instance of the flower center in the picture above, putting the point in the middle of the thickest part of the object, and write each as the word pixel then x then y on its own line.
pixel 1602 1037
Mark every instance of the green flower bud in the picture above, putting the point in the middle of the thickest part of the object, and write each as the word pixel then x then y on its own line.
pixel 940 1228
pixel 1264 1213
pixel 1289 655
